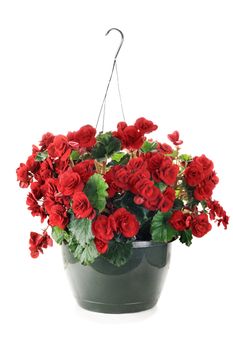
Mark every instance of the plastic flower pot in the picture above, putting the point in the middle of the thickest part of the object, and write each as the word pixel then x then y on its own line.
pixel 135 286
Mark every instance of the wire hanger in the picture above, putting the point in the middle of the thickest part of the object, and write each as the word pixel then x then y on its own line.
pixel 114 67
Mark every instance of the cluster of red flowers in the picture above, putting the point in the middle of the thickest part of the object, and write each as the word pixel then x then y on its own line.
pixel 104 227
pixel 59 170
pixel 200 175
pixel 133 136
pixel 218 213
pixel 37 242
pixel 199 224
pixel 139 177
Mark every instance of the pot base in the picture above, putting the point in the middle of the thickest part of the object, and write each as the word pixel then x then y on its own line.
pixel 133 287
pixel 116 308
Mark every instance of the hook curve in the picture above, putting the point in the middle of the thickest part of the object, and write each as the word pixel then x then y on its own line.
pixel 122 40
pixel 113 68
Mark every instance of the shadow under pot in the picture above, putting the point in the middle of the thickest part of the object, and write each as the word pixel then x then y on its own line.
pixel 135 286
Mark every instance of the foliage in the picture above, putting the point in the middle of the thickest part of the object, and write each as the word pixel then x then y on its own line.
pixel 118 253
pixel 95 190
pixel 161 230
pixel 74 155
pixel 105 146
pixel 58 234
pixel 41 156
pixel 83 246
pixel 148 146
pixel 100 192
pixel 186 237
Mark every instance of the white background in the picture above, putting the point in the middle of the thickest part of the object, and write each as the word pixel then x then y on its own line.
pixel 176 68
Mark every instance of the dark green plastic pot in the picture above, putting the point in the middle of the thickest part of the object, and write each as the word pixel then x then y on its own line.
pixel 136 286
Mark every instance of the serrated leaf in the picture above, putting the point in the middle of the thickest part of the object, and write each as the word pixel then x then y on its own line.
pixel 95 190
pixel 82 244
pixel 104 137
pixel 41 156
pixel 106 145
pixel 81 229
pixel 186 237
pixel 185 157
pixel 99 151
pixel 118 253
pixel 86 255
pixel 58 234
pixel 112 146
pixel 78 251
pixel 123 161
pixel 161 230
pixel 72 244
pixel 148 146
pixel 118 156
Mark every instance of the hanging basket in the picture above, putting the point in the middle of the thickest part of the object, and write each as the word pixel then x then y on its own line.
pixel 115 201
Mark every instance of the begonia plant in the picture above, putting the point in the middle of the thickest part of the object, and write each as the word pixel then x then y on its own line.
pixel 98 193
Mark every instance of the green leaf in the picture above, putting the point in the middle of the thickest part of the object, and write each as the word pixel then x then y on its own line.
pixel 123 161
pixel 148 146
pixel 78 251
pixel 99 151
pixel 41 156
pixel 118 253
pixel 161 185
pixel 118 156
pixel 106 145
pixel 81 243
pixel 74 155
pixel 58 234
pixel 178 204
pixel 95 190
pixel 161 230
pixel 186 237
pixel 185 157
pixel 72 244
pixel 81 229
pixel 113 145
pixel 86 255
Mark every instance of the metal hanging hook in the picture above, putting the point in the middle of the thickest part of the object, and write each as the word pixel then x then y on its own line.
pixel 113 67
pixel 122 40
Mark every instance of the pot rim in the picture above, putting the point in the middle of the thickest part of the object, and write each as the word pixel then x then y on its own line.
pixel 148 244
